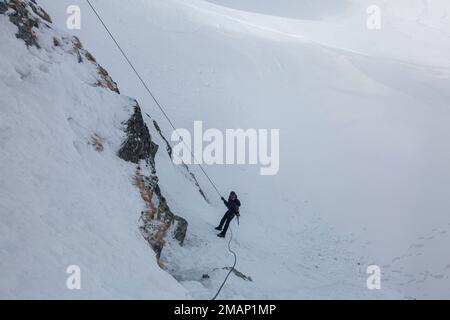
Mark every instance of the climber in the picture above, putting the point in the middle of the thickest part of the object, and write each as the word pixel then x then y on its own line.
pixel 233 205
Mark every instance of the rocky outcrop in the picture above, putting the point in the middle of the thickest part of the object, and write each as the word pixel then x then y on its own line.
pixel 26 16
pixel 157 222
pixel 39 11
pixel 138 144
pixel 104 80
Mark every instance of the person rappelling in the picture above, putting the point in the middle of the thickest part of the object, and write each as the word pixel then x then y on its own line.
pixel 232 205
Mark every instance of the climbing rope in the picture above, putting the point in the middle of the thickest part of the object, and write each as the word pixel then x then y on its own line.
pixel 232 268
pixel 158 104
pixel 147 88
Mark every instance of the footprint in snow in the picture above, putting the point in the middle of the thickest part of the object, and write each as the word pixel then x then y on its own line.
pixel 416 246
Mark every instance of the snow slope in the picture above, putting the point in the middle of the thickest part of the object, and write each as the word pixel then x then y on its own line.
pixel 363 117
pixel 62 202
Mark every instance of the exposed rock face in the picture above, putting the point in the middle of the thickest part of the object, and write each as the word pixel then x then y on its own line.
pixel 157 220
pixel 138 144
pixel 104 80
pixel 20 15
pixel 39 11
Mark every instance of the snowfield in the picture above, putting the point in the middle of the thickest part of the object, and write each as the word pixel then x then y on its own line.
pixel 364 150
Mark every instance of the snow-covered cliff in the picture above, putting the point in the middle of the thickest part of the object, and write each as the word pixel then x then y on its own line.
pixel 73 155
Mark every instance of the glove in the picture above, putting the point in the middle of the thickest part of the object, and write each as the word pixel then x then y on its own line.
pixel 223 199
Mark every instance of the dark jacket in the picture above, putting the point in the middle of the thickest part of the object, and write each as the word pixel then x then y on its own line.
pixel 232 205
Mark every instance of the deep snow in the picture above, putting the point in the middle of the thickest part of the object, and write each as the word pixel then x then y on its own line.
pixel 364 146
